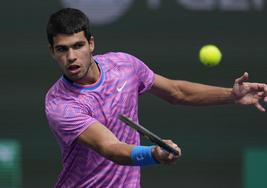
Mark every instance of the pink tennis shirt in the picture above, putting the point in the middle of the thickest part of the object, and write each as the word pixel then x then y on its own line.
pixel 71 108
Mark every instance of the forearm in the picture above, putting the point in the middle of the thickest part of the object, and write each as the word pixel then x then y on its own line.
pixel 130 155
pixel 119 153
pixel 199 94
pixel 104 142
pixel 124 154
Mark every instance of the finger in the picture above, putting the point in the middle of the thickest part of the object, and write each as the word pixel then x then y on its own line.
pixel 170 156
pixel 260 95
pixel 170 159
pixel 178 149
pixel 179 152
pixel 259 107
pixel 169 142
pixel 265 88
pixel 242 79
pixel 262 87
pixel 256 87
pixel 265 92
pixel 173 145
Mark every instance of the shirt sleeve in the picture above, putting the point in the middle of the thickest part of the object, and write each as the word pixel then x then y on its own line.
pixel 67 120
pixel 144 74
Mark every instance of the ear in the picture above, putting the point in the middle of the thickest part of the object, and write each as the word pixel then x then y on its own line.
pixel 91 44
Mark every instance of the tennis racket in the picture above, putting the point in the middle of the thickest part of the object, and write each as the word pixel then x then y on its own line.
pixel 148 134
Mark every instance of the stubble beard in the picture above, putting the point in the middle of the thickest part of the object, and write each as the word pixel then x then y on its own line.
pixel 84 72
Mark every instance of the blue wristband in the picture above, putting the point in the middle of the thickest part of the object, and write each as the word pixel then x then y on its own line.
pixel 142 156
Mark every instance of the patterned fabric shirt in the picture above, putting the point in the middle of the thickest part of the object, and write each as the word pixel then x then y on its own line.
pixel 71 108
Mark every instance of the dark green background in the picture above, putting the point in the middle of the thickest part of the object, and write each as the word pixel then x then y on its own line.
pixel 213 139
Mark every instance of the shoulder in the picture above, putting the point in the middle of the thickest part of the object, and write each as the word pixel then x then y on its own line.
pixel 58 94
pixel 52 91
pixel 113 56
pixel 63 106
pixel 116 57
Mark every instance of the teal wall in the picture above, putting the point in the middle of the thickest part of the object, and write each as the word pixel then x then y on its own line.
pixel 167 38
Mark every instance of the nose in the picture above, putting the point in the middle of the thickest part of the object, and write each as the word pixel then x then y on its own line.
pixel 71 56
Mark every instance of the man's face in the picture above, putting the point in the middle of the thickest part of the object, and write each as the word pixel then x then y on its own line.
pixel 73 54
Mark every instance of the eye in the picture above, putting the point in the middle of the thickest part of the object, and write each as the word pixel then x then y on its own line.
pixel 61 49
pixel 78 45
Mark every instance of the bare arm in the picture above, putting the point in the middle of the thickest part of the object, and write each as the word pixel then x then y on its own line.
pixel 184 92
pixel 104 142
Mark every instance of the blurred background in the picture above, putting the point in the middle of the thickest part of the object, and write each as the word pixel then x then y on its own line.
pixel 223 146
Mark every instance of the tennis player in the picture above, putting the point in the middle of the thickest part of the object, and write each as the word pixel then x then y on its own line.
pixel 98 150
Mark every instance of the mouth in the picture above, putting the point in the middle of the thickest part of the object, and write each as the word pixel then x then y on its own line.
pixel 74 69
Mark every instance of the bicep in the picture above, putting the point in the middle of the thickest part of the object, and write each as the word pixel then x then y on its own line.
pixel 165 88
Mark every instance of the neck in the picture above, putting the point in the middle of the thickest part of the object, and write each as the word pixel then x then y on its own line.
pixel 92 74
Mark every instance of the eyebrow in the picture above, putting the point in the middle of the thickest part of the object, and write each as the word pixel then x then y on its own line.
pixel 63 45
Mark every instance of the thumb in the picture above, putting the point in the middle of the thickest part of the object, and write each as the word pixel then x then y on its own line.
pixel 242 79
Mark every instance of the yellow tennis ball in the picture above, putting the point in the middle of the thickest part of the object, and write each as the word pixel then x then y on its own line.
pixel 210 55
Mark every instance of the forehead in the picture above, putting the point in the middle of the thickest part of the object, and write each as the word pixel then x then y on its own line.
pixel 69 39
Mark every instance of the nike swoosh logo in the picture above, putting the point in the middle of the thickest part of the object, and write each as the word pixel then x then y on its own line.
pixel 119 89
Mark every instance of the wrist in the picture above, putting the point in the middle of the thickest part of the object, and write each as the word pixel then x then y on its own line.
pixel 233 96
pixel 143 156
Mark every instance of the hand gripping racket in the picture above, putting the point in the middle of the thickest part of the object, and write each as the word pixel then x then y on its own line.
pixel 148 134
